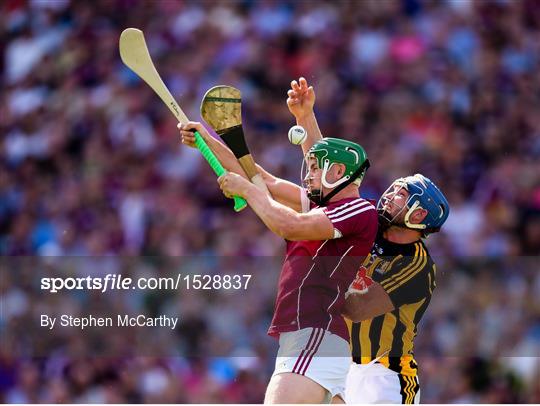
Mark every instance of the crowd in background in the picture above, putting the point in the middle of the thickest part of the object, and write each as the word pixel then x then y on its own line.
pixel 91 167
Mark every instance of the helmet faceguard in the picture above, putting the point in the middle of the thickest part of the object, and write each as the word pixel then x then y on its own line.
pixel 423 194
pixel 386 219
pixel 307 179
pixel 330 151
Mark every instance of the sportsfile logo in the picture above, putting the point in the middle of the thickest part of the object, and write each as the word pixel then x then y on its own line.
pixel 118 282
pixel 109 282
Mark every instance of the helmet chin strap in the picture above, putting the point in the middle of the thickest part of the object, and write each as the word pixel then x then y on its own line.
pixel 315 196
pixel 386 220
pixel 338 185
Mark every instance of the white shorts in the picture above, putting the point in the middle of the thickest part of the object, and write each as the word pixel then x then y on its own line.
pixel 374 383
pixel 318 354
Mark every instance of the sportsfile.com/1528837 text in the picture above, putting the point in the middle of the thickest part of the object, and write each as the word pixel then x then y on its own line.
pixel 119 282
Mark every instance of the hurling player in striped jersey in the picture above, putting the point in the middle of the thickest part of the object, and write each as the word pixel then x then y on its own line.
pixel 391 293
pixel 393 287
pixel 329 230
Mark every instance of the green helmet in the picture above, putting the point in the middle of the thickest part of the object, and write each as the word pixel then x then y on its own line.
pixel 329 151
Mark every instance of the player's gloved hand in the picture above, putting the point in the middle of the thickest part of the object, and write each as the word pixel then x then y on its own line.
pixel 301 98
pixel 361 283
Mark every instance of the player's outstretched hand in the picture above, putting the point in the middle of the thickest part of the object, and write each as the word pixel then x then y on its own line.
pixel 301 98
pixel 233 184
pixel 187 132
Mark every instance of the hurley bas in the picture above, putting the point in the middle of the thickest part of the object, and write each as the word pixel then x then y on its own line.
pixel 124 320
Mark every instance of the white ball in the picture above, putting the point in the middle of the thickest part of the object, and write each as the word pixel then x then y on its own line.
pixel 297 135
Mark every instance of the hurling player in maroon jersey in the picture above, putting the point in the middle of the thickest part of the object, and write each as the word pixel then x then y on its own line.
pixel 329 229
pixel 393 287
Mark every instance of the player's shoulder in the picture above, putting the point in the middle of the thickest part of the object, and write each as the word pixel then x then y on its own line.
pixel 418 254
pixel 351 208
pixel 402 256
pixel 410 268
pixel 419 263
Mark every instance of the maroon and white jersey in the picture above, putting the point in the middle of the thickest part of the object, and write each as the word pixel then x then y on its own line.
pixel 316 274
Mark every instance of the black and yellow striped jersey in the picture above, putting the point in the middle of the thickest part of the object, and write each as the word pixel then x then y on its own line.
pixel 407 273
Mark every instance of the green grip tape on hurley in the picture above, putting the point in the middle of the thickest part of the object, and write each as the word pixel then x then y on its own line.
pixel 239 202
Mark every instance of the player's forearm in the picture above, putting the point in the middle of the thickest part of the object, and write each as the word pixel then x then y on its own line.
pixel 286 193
pixel 225 156
pixel 360 307
pixel 283 191
pixel 309 122
pixel 279 218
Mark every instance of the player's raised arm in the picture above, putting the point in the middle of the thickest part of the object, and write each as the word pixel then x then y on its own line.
pixel 300 101
pixel 283 191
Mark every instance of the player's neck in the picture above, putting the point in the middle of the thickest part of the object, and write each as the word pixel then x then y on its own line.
pixel 400 235
pixel 350 191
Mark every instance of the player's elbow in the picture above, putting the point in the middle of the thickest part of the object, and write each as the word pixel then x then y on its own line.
pixel 355 317
pixel 312 226
pixel 287 234
pixel 281 232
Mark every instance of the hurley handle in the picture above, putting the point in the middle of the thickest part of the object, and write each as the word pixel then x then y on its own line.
pixel 239 203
